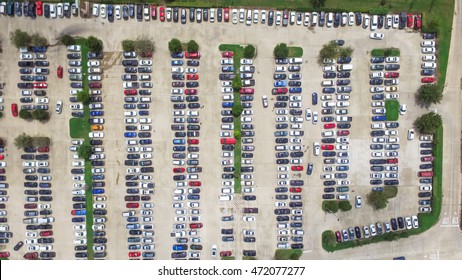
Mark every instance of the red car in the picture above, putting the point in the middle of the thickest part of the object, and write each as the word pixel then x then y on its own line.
pixel 31 256
pixel 195 183
pixel 43 149
pixel 30 205
pixel 227 54
pixel 38 7
pixel 339 236
pixel 343 133
pixel 40 85
pixel 153 11
pixel 178 170
pixel 193 77
pixel 195 225
pixel 132 205
pixel 226 14
pixel 279 90
pixel 162 13
pixel 391 75
pixel 193 141
pixel 293 189
pixel 2 156
pixel 192 55
pixel 95 85
pixel 134 254
pixel 427 80
pixel 417 22
pixel 327 147
pixel 392 160
pixel 46 233
pixel 329 125
pixel 2 170
pixel 14 109
pixel 247 91
pixel 297 168
pixel 226 253
pixel 409 20
pixel 190 91
pixel 4 254
pixel 59 72
pixel 130 92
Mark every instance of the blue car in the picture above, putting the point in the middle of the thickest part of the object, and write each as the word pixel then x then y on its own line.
pixel 379 118
pixel 295 90
pixel 143 113
pixel 179 141
pixel 130 134
pixel 39 49
pixel 97 191
pixel 145 141
pixel 194 196
pixel 96 113
pixel 80 212
pixel 314 98
pixel 377 97
pixel 98 177
pixel 179 247
pixel 78 219
pixel 328 90
pixel 280 83
pixel 179 148
pixel 177 55
pixel 227 104
pixel 178 62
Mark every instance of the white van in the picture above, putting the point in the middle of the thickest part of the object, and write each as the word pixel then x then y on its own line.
pixel 4 228
pixel 226 197
pixel 328 133
pixel 281 147
pixel 295 60
pixel 227 126
pixel 327 83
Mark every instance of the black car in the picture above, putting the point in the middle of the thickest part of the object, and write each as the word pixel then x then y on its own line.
pixel 392 67
pixel 329 183
pixel 376 81
pixel 343 74
pixel 394 224
pixel 400 222
pixel 376 59
pixel 282 161
pixel 249 197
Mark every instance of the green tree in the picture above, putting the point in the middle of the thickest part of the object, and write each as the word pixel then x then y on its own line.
pixel 249 51
pixel 193 46
pixel 23 141
pixel 144 47
pixel 25 114
pixel 237 134
pixel 318 3
pixel 38 40
pixel 41 141
pixel 20 38
pixel 40 115
pixel 94 44
pixel 328 51
pixel 237 83
pixel 174 46
pixel 330 206
pixel 429 122
pixel 84 97
pixel 378 200
pixel 237 109
pixel 67 40
pixel 328 238
pixel 84 151
pixel 344 205
pixel 429 94
pixel 347 51
pixel 281 51
pixel 128 45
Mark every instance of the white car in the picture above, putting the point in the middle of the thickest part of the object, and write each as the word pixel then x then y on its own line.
pixel 117 12
pixel 431 50
pixel 315 117
pixel 410 134
pixel 392 59
pixel 402 109
pixel 76 106
pixel 93 63
pixel 249 218
pixel 316 148
pixel 73 48
pixel 376 36
pixel 43 100
pixel 145 62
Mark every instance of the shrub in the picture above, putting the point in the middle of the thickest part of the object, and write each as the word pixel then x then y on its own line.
pixel 23 141
pixel 128 45
pixel 428 123
pixel 40 115
pixel 174 46
pixel 193 46
pixel 67 40
pixel 20 38
pixel 249 51
pixel 84 97
pixel 378 200
pixel 84 151
pixel 281 51
pixel 25 114
pixel 344 205
pixel 38 40
pixel 144 47
pixel 94 44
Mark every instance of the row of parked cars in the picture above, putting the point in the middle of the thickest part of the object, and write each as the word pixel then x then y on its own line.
pixel 289 153
pixel 336 124
pixel 140 153
pixel 186 126
pixel 5 233
pixel 426 168
pixel 428 46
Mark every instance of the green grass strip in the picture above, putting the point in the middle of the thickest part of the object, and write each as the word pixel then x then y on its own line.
pixel 386 52
pixel 295 51
pixel 392 110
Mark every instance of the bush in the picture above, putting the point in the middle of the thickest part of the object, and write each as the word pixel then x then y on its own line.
pixel 67 40
pixel 330 206
pixel 328 51
pixel 237 134
pixel 281 51
pixel 429 94
pixel 20 38
pixel 249 51
pixel 428 123
pixel 237 83
pixel 237 109
pixel 144 47
pixel 38 40
pixel 23 141
pixel 84 151
pixel 25 114
pixel 378 200
pixel 40 115
pixel 128 45
pixel 41 141
pixel 344 205
pixel 344 52
pixel 94 44
pixel 193 46
pixel 84 97
pixel 174 46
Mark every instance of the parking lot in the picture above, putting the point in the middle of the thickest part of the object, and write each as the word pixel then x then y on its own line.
pixel 209 36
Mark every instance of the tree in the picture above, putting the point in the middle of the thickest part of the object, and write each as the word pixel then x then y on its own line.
pixel 428 123
pixel 237 83
pixel 174 46
pixel 144 47
pixel 20 38
pixel 328 238
pixel 328 51
pixel 249 51
pixel 318 3
pixel 84 151
pixel 378 200
pixel 237 134
pixel 84 97
pixel 40 115
pixel 94 44
pixel 38 40
pixel 41 141
pixel 23 141
pixel 344 205
pixel 237 109
pixel 330 206
pixel 344 52
pixel 128 45
pixel 281 51
pixel 193 46
pixel 25 114
pixel 429 94
pixel 67 40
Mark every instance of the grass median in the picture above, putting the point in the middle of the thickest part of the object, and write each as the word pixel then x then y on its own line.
pixel 295 51
pixel 386 52
pixel 392 110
